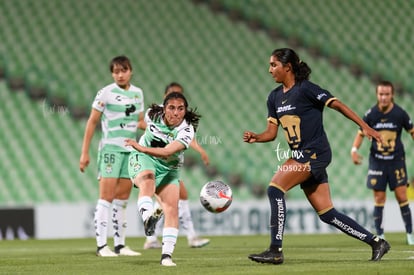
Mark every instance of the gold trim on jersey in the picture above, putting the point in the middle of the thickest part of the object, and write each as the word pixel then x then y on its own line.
pixel 329 101
pixel 273 120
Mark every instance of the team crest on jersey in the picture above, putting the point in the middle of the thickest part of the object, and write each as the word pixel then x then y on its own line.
pixel 108 168
pixel 134 164
pixel 136 167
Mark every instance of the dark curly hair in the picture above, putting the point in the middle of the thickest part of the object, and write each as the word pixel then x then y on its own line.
pixel 191 116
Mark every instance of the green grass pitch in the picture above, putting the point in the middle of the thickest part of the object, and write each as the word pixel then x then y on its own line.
pixel 304 254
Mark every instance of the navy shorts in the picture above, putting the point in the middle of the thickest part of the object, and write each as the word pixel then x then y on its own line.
pixel 318 163
pixel 381 173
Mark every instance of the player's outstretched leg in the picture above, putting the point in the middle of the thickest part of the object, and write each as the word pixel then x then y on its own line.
pixel 353 229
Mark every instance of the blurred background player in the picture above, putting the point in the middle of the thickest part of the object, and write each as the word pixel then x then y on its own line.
pixel 184 212
pixel 297 106
pixel 155 166
pixel 119 107
pixel 387 160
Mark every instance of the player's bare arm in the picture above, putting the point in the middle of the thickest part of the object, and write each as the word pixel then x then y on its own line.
pixel 347 112
pixel 196 146
pixel 141 122
pixel 93 120
pixel 159 152
pixel 357 158
pixel 268 135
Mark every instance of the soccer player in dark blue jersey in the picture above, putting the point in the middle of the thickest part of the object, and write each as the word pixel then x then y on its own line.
pixel 296 106
pixel 387 160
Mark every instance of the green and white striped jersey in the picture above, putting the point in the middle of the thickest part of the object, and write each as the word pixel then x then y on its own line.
pixel 158 134
pixel 120 111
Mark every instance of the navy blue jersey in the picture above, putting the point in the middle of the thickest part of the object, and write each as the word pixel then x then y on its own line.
pixel 390 126
pixel 299 113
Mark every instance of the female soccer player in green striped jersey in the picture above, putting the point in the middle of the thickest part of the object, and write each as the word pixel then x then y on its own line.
pixel 119 107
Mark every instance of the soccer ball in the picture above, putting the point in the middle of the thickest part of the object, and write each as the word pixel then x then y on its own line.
pixel 216 196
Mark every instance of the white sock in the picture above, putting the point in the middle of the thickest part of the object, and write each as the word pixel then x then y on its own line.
pixel 145 207
pixel 101 221
pixel 184 216
pixel 169 239
pixel 119 221
pixel 151 239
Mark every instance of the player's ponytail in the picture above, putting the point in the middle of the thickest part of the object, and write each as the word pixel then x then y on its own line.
pixel 300 69
pixel 192 117
pixel 155 111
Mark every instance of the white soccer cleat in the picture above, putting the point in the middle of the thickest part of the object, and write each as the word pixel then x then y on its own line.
pixel 198 242
pixel 167 261
pixel 152 244
pixel 126 251
pixel 410 239
pixel 106 252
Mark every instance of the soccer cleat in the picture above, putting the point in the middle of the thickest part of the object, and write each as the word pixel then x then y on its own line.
pixel 198 242
pixel 105 252
pixel 166 260
pixel 151 222
pixel 152 244
pixel 410 239
pixel 126 251
pixel 379 248
pixel 267 257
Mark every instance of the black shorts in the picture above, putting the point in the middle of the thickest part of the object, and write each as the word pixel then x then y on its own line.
pixel 381 173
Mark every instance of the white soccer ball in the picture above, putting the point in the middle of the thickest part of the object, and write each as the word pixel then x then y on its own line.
pixel 216 196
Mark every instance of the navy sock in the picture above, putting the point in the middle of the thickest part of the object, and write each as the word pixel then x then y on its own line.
pixel 277 217
pixel 378 214
pixel 406 216
pixel 347 225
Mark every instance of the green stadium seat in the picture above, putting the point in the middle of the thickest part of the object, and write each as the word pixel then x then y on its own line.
pixel 222 64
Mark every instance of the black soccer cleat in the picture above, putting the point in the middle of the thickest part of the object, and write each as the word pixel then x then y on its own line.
pixel 267 257
pixel 151 222
pixel 379 248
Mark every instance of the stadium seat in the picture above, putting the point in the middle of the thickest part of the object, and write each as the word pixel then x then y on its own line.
pixel 223 65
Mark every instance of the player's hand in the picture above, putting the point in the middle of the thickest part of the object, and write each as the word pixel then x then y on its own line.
pixel 130 142
pixel 372 134
pixel 133 143
pixel 205 159
pixel 249 137
pixel 356 158
pixel 84 162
